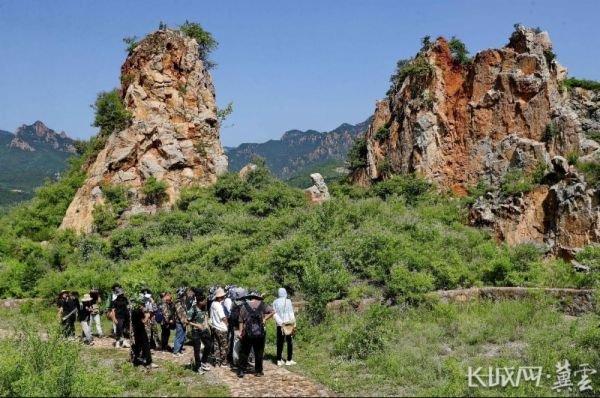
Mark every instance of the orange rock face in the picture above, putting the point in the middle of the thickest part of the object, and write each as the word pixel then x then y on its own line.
pixel 460 124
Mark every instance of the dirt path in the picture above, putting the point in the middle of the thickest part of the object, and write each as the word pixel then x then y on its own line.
pixel 277 381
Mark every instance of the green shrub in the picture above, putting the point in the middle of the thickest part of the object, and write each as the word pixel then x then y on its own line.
pixel 384 168
pixel 39 218
pixel 382 134
pixel 591 171
pixel 116 196
pixel 19 279
pixel 155 191
pixel 366 337
pixel 206 41
pixel 53 367
pixel 550 132
pixel 409 286
pixel 573 157
pixel 131 42
pixel 357 155
pixel 398 76
pixel 230 187
pixel 550 56
pixel 224 113
pixel 105 219
pixel 593 135
pixel 459 51
pixel 275 197
pixel 410 187
pixel 515 181
pixel 583 83
pixel 110 113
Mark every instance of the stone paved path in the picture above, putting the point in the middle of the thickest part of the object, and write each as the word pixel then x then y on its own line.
pixel 277 381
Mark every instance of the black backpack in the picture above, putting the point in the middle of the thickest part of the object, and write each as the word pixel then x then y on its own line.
pixel 253 321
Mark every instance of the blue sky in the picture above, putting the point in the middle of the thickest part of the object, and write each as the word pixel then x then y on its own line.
pixel 309 64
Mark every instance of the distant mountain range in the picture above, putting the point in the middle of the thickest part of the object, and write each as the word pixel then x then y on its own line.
pixel 299 152
pixel 35 153
pixel 31 155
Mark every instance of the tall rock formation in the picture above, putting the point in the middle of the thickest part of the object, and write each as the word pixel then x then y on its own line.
pixel 460 124
pixel 173 136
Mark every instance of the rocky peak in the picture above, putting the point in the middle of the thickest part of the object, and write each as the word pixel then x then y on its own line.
pixel 38 136
pixel 174 131
pixel 463 123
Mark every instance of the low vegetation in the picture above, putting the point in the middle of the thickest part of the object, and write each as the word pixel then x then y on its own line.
pixel 583 83
pixel 382 134
pixel 357 155
pixel 419 68
pixel 459 51
pixel 206 41
pixel 155 191
pixel 426 350
pixel 399 236
pixel 36 361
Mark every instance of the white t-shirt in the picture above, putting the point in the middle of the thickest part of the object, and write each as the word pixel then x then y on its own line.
pixel 216 316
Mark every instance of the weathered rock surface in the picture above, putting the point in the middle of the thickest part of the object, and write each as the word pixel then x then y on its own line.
pixel 174 134
pixel 318 192
pixel 246 170
pixel 463 124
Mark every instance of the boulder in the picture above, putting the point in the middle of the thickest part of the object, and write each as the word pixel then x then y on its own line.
pixel 246 170
pixel 318 192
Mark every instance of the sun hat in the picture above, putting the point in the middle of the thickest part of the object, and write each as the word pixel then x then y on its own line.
pixel 219 293
pixel 86 297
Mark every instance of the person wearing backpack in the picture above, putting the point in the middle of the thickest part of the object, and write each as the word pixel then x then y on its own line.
pixel 218 326
pixel 151 324
pixel 286 326
pixel 198 320
pixel 253 315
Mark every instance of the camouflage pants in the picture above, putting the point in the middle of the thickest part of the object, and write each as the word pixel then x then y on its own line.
pixel 221 346
pixel 153 334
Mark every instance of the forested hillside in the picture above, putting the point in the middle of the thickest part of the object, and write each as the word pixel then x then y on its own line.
pixel 29 157
pixel 298 153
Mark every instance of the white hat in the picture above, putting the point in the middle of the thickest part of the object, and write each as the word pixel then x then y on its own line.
pixel 220 293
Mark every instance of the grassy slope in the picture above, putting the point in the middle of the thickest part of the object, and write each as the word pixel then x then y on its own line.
pixel 427 350
pixel 410 351
pixel 99 371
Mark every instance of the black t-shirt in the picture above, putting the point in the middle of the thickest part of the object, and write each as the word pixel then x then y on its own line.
pixel 68 306
pixel 85 309
pixel 120 305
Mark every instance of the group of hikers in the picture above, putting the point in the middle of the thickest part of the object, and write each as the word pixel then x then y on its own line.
pixel 226 325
